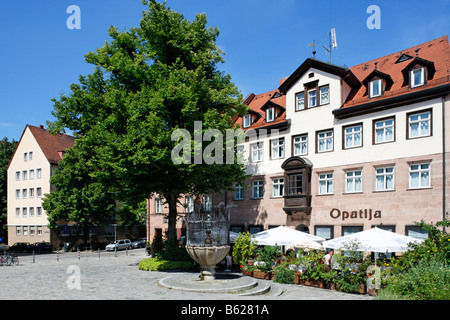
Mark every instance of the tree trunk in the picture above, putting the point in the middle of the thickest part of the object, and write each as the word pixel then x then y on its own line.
pixel 172 201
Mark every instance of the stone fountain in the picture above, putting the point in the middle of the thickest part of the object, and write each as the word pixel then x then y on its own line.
pixel 207 238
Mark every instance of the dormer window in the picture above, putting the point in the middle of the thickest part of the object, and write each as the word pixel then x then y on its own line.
pixel 417 77
pixel 270 114
pixel 375 88
pixel 247 121
pixel 300 101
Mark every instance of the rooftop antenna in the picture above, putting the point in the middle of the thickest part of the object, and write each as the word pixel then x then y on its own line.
pixel 313 45
pixel 333 42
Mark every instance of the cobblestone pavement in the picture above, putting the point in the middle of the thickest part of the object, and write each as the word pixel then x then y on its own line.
pixel 110 277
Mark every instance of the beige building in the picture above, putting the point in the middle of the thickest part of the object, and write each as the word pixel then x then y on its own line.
pixel 36 156
pixel 336 150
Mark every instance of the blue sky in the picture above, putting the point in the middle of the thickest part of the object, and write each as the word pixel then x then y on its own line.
pixel 263 41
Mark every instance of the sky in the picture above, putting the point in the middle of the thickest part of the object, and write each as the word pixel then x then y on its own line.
pixel 263 41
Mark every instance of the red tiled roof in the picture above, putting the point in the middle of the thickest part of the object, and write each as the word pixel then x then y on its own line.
pixel 52 145
pixel 437 51
pixel 257 103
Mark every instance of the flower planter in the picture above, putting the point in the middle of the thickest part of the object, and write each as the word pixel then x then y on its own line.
pixel 318 283
pixel 362 288
pixel 247 273
pixel 261 275
pixel 372 292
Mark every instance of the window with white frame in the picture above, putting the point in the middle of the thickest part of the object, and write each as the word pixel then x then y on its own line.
pixel 25 230
pixel 247 120
pixel 270 114
pixel 24 212
pixel 32 231
pixel 38 192
pixel 326 183
pixel 353 181
pixel 300 101
pixel 417 77
pixel 258 189
pixel 325 141
pixel 18 231
pixel 31 174
pixel 31 192
pixel 419 175
pixel 17 175
pixel 324 95
pixel 257 152
pixel 31 211
pixel 17 212
pixel 277 148
pixel 24 193
pixel 39 230
pixel 278 187
pixel 17 193
pixel 189 204
pixel 38 211
pixel 295 183
pixel 158 206
pixel 30 155
pixel 312 98
pixel 384 179
pixel 24 175
pixel 419 124
pixel 384 130
pixel 25 156
pixel 300 145
pixel 375 89
pixel 238 192
pixel 38 173
pixel 353 136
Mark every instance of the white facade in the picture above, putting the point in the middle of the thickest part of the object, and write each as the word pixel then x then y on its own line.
pixel 28 180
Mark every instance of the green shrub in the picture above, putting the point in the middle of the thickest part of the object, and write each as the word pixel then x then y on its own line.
pixel 268 255
pixel 429 279
pixel 159 264
pixel 244 248
pixel 283 274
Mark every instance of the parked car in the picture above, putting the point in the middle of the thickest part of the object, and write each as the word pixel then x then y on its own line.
pixel 119 245
pixel 3 247
pixel 19 246
pixel 139 243
pixel 40 247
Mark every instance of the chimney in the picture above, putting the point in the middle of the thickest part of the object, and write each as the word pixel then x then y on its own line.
pixel 41 127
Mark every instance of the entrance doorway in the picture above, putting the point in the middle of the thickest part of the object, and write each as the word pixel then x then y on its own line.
pixel 302 228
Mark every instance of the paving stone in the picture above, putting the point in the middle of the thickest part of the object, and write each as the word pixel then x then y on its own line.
pixel 110 277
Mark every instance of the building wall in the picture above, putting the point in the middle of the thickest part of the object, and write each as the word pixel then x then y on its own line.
pixel 29 221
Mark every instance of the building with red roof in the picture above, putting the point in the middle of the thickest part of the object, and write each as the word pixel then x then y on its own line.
pixel 335 150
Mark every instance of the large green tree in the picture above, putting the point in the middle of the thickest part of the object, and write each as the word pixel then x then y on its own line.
pixel 6 151
pixel 147 83
pixel 77 196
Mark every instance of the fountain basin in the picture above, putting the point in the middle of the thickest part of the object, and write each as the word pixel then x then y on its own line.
pixel 207 257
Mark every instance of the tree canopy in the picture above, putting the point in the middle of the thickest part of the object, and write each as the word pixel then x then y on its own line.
pixel 147 83
pixel 6 152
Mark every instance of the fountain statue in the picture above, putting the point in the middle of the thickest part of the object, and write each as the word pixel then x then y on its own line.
pixel 207 238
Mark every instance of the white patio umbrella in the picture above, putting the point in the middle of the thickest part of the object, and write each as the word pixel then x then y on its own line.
pixel 375 240
pixel 283 236
pixel 309 244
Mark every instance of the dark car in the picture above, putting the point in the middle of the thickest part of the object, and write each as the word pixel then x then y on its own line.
pixel 138 243
pixel 19 246
pixel 40 247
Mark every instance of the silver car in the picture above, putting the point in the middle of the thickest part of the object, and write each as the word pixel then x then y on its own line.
pixel 119 245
